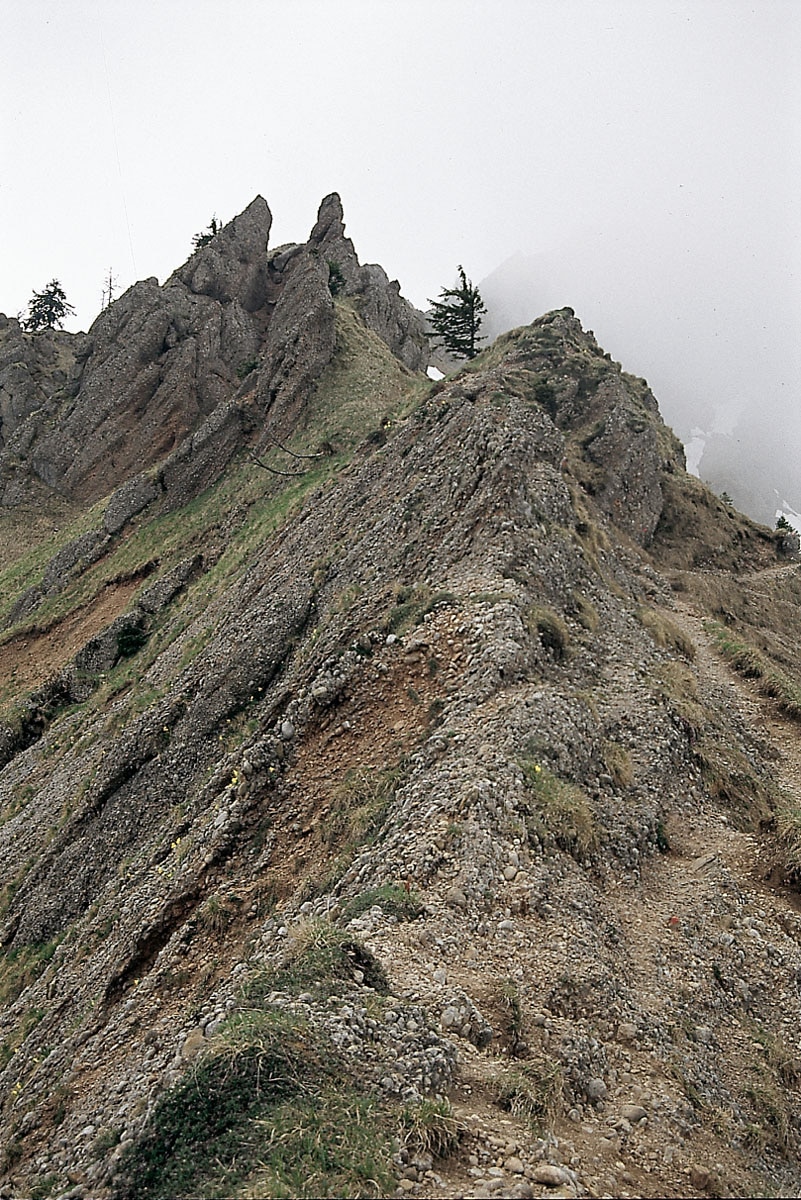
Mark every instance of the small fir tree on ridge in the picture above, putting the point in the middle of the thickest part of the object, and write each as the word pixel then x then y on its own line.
pixel 48 309
pixel 456 317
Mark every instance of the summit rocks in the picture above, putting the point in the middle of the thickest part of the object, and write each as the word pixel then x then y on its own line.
pixel 82 413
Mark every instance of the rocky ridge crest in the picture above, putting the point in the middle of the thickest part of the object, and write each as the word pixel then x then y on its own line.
pixel 442 703
pixel 233 339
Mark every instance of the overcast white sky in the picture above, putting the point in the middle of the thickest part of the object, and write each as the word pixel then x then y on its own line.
pixel 644 153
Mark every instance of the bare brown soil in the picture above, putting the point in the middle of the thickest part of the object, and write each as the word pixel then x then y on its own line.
pixel 28 660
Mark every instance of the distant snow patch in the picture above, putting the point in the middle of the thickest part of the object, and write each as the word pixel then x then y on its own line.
pixel 434 373
pixel 694 451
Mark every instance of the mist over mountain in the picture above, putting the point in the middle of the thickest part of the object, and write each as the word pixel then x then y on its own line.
pixel 738 397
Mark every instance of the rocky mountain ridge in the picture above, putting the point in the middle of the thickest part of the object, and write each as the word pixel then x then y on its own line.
pixel 229 342
pixel 383 770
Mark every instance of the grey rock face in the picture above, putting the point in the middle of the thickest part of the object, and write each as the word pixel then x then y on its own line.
pixel 32 369
pixel 129 500
pixel 300 340
pixel 233 265
pixel 381 306
pixel 162 360
pixel 627 448
pixel 85 413
pixel 628 451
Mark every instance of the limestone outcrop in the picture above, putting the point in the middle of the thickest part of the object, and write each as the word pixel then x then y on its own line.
pixel 84 413
pixel 380 304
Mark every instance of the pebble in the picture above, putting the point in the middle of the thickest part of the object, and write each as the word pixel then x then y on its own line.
pixel 193 1044
pixel 550 1176
pixel 633 1113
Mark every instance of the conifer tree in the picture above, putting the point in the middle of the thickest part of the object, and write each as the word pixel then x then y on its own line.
pixel 456 317
pixel 212 229
pixel 48 309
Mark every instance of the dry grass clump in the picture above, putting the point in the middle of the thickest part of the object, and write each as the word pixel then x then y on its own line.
pixel 585 612
pixel 618 763
pixel 753 664
pixel 319 956
pixel 551 630
pixel 788 831
pixel 666 633
pixel 560 810
pixel 532 1092
pixel 729 777
pixel 678 687
pixel 431 1127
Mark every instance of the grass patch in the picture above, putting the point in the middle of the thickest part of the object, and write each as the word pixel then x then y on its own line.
pixel 320 958
pixel 216 914
pixel 753 664
pixel 772 1113
pixel 431 1127
pixel 618 763
pixel 585 612
pixel 413 603
pixel 363 385
pixel 359 806
pixel 729 777
pixel 551 630
pixel 666 633
pixel 19 968
pixel 560 811
pixel 271 1112
pixel 392 899
pixel 678 687
pixel 533 1093
pixel 788 830
pixel 511 1007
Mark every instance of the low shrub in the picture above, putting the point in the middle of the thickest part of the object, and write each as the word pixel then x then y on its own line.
pixel 270 1112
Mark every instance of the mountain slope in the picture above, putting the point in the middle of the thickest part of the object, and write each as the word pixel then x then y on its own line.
pixel 392 775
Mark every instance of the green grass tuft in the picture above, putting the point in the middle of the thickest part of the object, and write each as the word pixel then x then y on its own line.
pixel 390 897
pixel 559 810
pixel 753 664
pixel 271 1112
